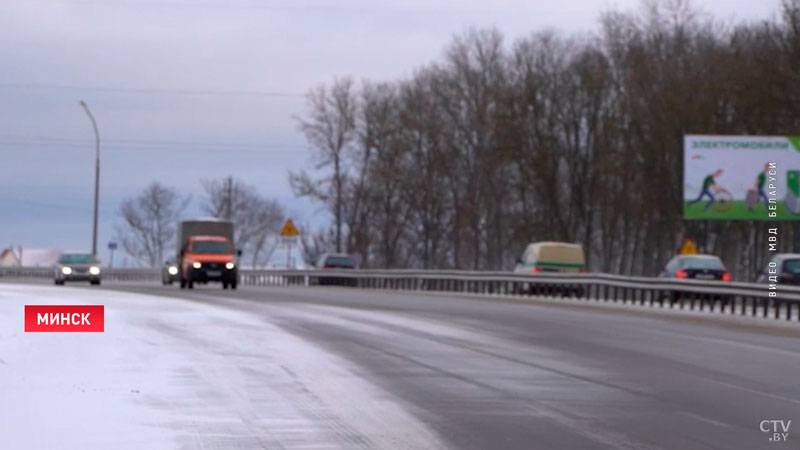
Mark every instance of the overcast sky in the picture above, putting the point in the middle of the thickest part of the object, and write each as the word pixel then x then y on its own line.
pixel 184 90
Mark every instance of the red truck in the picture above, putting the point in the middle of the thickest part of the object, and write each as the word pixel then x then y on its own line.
pixel 206 253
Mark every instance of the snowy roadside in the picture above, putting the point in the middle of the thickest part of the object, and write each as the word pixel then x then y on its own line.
pixel 170 374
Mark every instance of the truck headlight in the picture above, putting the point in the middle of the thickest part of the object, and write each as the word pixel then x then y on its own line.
pixel 94 270
pixel 196 265
pixel 229 265
pixel 172 270
pixel 66 270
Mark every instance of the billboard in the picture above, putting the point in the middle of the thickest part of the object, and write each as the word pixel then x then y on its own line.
pixel 736 177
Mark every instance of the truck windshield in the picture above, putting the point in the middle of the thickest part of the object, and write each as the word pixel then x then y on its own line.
pixel 210 247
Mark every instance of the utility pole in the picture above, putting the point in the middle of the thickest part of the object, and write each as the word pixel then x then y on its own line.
pixel 96 174
pixel 229 199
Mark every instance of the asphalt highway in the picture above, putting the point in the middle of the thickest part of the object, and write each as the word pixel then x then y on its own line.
pixel 487 374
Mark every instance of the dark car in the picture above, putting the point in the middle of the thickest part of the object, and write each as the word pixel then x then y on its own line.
pixel 698 267
pixel 170 272
pixel 336 261
pixel 785 267
pixel 77 267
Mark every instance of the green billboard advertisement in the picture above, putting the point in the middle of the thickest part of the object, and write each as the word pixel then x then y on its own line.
pixel 741 177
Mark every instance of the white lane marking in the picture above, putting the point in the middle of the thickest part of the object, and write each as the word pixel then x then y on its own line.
pixel 756 391
pixel 706 419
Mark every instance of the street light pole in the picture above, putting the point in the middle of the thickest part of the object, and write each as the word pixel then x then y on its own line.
pixel 96 174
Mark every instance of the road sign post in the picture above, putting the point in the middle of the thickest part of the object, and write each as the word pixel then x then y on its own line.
pixel 111 247
pixel 289 234
pixel 688 248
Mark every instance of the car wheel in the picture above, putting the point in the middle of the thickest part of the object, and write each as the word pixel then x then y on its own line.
pixel 190 284
pixel 224 285
pixel 183 283
pixel 233 285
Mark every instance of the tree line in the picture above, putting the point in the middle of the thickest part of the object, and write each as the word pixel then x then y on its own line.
pixel 149 220
pixel 570 138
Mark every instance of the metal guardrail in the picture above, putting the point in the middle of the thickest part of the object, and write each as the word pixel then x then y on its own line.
pixel 107 274
pixel 712 296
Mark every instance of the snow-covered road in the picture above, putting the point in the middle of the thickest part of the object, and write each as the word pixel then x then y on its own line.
pixel 171 374
pixel 328 367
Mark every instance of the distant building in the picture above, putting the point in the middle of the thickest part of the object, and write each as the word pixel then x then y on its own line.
pixel 9 258
pixel 29 257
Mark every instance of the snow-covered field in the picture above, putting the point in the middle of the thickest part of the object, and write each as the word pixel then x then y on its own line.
pixel 171 374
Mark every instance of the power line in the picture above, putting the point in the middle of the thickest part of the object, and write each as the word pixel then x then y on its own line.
pixel 74 207
pixel 138 90
pixel 262 6
pixel 11 141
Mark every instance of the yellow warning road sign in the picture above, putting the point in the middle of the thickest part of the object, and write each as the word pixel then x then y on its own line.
pixel 289 229
pixel 688 248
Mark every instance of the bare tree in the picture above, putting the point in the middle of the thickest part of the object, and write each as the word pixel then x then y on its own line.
pixel 562 138
pixel 315 243
pixel 149 223
pixel 255 217
pixel 330 129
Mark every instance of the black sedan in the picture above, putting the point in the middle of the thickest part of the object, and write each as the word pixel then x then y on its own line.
pixel 698 267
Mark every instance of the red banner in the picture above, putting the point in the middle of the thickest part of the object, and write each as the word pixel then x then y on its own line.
pixel 63 318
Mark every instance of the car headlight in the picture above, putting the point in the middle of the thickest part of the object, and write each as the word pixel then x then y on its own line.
pixel 66 270
pixel 172 270
pixel 94 270
pixel 196 265
pixel 229 265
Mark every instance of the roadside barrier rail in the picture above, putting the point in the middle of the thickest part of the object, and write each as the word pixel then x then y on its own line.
pixel 106 274
pixel 702 295
pixel 738 298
